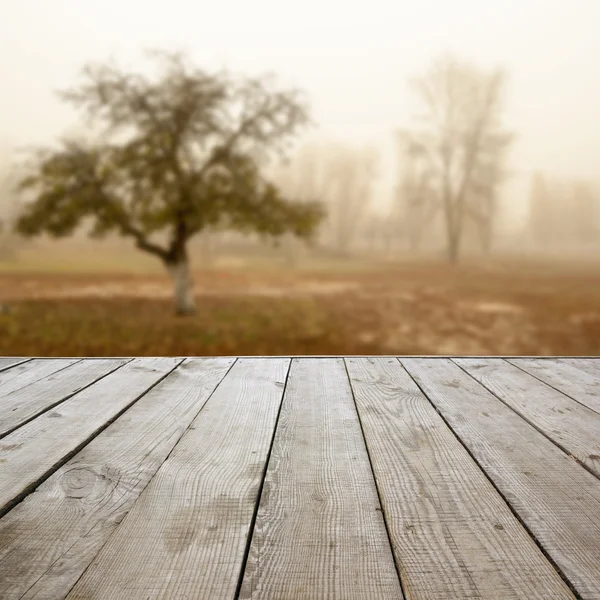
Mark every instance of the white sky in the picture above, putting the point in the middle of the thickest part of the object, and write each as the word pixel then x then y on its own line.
pixel 353 57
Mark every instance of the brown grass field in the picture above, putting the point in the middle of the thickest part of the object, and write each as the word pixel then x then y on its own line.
pixel 408 308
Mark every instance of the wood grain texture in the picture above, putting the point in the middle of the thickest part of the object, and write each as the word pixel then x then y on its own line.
pixel 574 427
pixel 20 376
pixel 7 363
pixel 557 499
pixel 453 535
pixel 319 531
pixel 26 403
pixel 590 365
pixel 186 535
pixel 49 539
pixel 32 452
pixel 577 379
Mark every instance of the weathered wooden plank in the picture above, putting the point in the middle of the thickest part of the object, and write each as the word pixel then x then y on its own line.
pixel 28 402
pixel 590 365
pixel 453 534
pixel 32 452
pixel 571 379
pixel 186 535
pixel 557 499
pixel 49 539
pixel 574 427
pixel 319 530
pixel 20 376
pixel 7 363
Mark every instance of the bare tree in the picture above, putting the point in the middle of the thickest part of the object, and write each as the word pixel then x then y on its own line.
pixel 487 178
pixel 461 138
pixel 351 178
pixel 562 211
pixel 342 178
pixel 380 231
pixel 586 212
pixel 540 215
pixel 416 201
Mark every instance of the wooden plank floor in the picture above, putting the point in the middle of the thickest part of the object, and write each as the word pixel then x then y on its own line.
pixel 309 478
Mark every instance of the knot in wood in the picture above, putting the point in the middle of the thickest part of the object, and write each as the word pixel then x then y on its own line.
pixel 78 482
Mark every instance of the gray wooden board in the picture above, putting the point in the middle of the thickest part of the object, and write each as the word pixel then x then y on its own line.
pixel 557 499
pixel 26 403
pixel 589 365
pixel 32 452
pixel 319 531
pixel 186 535
pixel 575 380
pixel 574 427
pixel 49 539
pixel 453 535
pixel 21 376
pixel 7 363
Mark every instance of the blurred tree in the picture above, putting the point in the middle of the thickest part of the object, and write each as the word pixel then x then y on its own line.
pixel 541 215
pixel 351 178
pixel 342 177
pixel 9 242
pixel 563 212
pixel 585 212
pixel 380 231
pixel 172 157
pixel 487 178
pixel 300 178
pixel 417 202
pixel 463 144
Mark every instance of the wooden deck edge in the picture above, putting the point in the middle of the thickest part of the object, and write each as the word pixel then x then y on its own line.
pixel 507 356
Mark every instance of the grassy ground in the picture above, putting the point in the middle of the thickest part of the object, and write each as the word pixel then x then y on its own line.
pixel 413 308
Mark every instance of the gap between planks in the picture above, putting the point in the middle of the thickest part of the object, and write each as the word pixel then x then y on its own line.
pixel 34 451
pixel 555 498
pixel 7 363
pixel 201 500
pixel 578 380
pixel 453 535
pixel 571 426
pixel 27 402
pixel 69 517
pixel 319 532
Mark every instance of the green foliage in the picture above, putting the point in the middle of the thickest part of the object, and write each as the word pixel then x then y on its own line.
pixel 174 155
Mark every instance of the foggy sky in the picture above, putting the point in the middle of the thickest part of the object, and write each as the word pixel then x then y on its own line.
pixel 353 57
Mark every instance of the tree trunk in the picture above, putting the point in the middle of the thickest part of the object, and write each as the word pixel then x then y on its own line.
pixel 454 222
pixel 179 270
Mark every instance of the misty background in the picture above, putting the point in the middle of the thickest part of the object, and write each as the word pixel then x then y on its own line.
pixel 354 60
